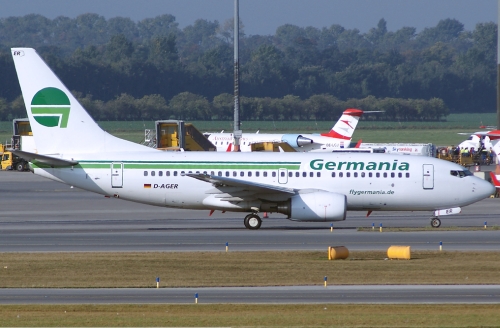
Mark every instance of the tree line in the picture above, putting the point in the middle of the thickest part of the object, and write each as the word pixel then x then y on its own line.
pixel 189 106
pixel 152 66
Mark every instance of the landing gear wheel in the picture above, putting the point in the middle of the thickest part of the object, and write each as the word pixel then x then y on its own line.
pixel 252 221
pixel 435 222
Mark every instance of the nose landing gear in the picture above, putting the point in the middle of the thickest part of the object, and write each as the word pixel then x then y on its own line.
pixel 435 222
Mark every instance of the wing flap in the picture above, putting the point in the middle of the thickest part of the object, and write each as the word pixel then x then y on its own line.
pixel 244 185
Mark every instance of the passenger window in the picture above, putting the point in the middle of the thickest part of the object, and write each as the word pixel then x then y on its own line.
pixel 175 173
pixel 400 175
pixel 377 175
pixel 355 174
pixel 167 173
pixel 265 174
pixel 370 175
pixel 348 174
pixel 311 174
pixel 145 173
pixel 290 174
pixel 274 174
pixel 235 174
pixel 219 173
pixel 318 174
pixel 297 174
pixel 362 174
pixel 227 173
pixel 282 174
pixel 160 173
pixel 152 173
pixel 333 174
pixel 407 174
pixel 212 173
pixel 385 174
pixel 249 173
pixel 393 175
pixel 182 172
pixel 304 174
pixel 242 174
pixel 257 174
pixel 341 174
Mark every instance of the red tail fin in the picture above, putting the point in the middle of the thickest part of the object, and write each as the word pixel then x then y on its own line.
pixel 359 143
pixel 494 180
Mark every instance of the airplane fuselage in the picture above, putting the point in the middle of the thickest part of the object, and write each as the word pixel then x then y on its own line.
pixel 370 182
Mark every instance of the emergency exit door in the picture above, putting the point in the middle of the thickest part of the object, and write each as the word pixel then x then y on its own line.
pixel 428 176
pixel 116 175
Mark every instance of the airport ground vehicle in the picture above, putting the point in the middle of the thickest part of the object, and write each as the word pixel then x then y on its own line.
pixel 9 161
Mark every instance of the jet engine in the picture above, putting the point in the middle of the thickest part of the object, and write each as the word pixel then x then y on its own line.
pixel 317 206
pixel 296 140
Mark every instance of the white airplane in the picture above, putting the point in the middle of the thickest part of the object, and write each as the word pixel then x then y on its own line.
pixel 475 140
pixel 339 137
pixel 71 148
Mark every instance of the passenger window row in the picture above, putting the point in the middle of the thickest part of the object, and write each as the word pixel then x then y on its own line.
pixel 296 174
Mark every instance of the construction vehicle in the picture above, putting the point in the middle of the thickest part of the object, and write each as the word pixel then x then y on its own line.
pixel 22 139
pixel 9 161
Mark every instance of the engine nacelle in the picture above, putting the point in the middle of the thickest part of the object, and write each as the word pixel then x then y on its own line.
pixel 296 140
pixel 318 206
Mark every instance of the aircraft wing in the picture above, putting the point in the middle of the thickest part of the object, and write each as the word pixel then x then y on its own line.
pixel 48 160
pixel 241 185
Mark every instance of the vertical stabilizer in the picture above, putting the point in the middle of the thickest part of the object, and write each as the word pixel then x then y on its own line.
pixel 345 126
pixel 59 123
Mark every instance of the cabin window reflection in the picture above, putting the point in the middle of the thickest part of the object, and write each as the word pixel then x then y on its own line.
pixel 348 174
pixel 152 173
pixel 385 174
pixel 175 173
pixel 362 174
pixel 370 174
pixel 227 173
pixel 145 173
pixel 393 175
pixel 167 173
pixel 290 174
pixel 333 174
pixel 257 173
pixel 274 174
pixel 264 174
pixel 318 174
pixel 311 174
pixel 297 174
pixel 355 174
pixel 400 175
pixel 377 174
pixel 304 174
pixel 408 174
pixel 341 174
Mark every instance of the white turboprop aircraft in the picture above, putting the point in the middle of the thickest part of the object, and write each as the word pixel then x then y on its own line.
pixel 339 137
pixel 71 148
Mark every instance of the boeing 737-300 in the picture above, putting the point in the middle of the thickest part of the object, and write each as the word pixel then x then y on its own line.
pixel 71 148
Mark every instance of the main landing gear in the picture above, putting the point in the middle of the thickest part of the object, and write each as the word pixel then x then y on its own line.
pixel 435 222
pixel 252 221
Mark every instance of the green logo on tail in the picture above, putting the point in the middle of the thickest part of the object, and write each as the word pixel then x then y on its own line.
pixel 50 107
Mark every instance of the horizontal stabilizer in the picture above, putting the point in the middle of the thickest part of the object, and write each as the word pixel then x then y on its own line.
pixel 48 160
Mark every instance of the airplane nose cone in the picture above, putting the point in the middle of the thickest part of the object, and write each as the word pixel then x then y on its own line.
pixel 484 188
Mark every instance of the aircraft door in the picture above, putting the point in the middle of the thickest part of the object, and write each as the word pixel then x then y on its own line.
pixel 283 176
pixel 116 175
pixel 428 176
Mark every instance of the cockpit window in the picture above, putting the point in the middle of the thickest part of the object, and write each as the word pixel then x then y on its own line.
pixel 461 173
